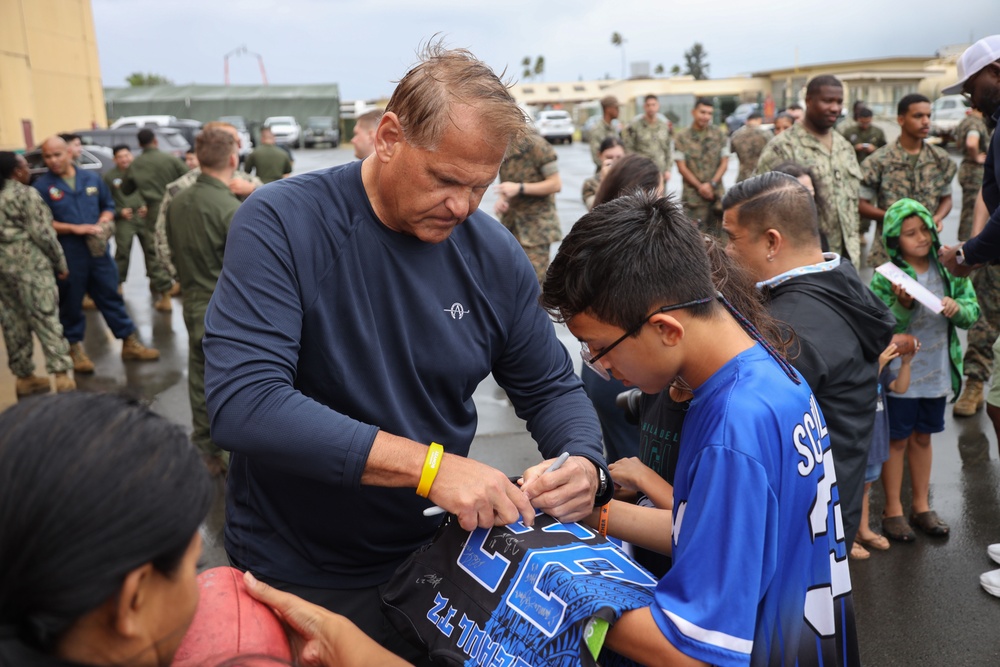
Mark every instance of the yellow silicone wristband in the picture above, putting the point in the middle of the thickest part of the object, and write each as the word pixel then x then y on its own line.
pixel 431 464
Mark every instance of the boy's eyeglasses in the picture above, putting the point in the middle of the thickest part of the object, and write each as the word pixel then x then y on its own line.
pixel 591 360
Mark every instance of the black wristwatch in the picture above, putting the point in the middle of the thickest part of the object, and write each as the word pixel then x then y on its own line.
pixel 605 488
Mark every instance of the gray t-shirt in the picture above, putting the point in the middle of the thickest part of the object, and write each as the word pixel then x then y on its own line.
pixel 930 373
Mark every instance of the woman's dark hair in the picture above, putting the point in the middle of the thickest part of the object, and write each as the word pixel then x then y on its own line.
pixel 608 142
pixel 631 173
pixel 8 164
pixel 92 486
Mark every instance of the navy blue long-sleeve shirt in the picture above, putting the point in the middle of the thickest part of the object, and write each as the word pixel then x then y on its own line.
pixel 985 246
pixel 327 326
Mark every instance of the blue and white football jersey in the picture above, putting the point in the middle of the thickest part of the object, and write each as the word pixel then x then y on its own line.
pixel 760 573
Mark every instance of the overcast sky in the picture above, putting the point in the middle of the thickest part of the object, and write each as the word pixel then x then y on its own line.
pixel 365 45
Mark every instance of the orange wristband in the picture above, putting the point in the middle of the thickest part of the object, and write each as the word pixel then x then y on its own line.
pixel 602 523
pixel 435 453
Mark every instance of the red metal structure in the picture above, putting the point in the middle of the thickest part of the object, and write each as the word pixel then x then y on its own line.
pixel 241 51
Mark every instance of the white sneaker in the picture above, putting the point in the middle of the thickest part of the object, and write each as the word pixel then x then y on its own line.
pixel 994 552
pixel 991 582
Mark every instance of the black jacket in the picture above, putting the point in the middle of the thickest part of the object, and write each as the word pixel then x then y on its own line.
pixel 841 328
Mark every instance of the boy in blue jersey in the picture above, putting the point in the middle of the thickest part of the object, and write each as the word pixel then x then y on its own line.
pixel 760 574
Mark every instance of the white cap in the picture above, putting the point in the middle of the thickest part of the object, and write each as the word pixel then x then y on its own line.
pixel 975 58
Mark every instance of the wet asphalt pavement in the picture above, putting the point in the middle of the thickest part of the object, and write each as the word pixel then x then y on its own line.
pixel 917 604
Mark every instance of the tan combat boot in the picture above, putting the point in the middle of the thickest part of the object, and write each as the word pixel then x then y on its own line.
pixel 81 362
pixel 88 303
pixel 133 350
pixel 971 399
pixel 163 304
pixel 64 383
pixel 175 289
pixel 31 384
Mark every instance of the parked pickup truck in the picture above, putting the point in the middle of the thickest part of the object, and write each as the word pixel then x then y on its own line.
pixel 946 113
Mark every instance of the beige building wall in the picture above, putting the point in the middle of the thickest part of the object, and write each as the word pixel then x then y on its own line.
pixel 49 70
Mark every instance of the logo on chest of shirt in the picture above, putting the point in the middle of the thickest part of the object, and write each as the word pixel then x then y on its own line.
pixel 117 182
pixel 91 191
pixel 457 311
pixel 55 193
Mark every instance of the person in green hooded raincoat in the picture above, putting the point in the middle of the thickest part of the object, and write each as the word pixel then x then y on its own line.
pixel 911 241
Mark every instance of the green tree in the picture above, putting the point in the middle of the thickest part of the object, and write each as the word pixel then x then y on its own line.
pixel 696 62
pixel 659 70
pixel 539 66
pixel 136 79
pixel 675 70
pixel 526 65
pixel 619 41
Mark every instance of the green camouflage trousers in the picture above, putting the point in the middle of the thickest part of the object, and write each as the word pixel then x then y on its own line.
pixel 125 231
pixel 970 177
pixel 979 355
pixel 539 256
pixel 708 215
pixel 29 303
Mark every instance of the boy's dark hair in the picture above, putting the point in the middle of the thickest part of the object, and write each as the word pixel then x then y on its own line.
pixel 775 201
pixel 754 115
pixel 632 172
pixel 908 101
pixel 704 102
pixel 649 97
pixel 120 147
pixel 626 257
pixel 865 112
pixel 69 137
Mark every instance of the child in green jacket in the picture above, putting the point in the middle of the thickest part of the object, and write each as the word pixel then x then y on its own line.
pixel 910 238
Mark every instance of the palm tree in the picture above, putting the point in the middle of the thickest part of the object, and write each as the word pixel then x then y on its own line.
pixel 539 66
pixel 619 41
pixel 526 64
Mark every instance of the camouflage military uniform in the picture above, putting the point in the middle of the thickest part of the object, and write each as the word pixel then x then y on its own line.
pixel 173 189
pixel 30 256
pixel 149 175
pixel 970 173
pixel 748 142
pixel 890 174
pixel 854 134
pixel 126 230
pixel 979 355
pixel 653 141
pixel 532 220
pixel 599 134
pixel 702 153
pixel 837 177
pixel 589 190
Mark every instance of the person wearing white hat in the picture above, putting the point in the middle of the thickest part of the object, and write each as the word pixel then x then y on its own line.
pixel 979 80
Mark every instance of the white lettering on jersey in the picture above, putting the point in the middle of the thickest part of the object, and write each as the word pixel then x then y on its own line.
pixel 807 437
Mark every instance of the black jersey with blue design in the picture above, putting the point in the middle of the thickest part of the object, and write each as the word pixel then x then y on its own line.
pixel 514 596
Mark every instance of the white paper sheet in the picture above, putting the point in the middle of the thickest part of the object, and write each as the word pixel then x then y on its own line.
pixel 897 276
